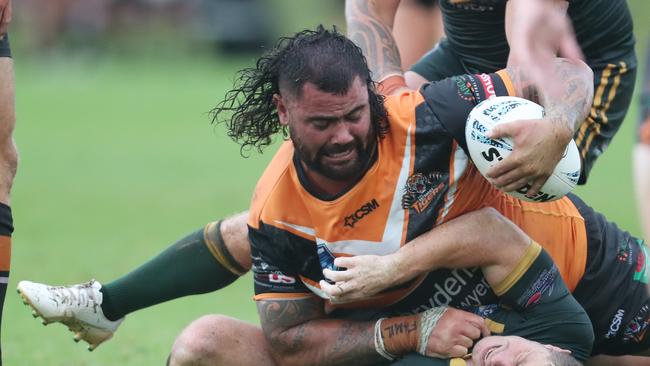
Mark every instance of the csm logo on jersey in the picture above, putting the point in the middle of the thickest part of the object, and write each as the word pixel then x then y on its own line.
pixel 363 211
pixel 616 324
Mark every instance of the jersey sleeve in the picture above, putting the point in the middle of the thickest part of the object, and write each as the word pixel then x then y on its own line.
pixel 275 273
pixel 450 100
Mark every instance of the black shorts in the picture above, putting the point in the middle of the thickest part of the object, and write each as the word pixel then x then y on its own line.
pixel 613 87
pixel 613 290
pixel 5 51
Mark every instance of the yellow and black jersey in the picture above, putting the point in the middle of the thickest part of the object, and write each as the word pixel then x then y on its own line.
pixel 421 177
pixel 475 29
pixel 535 304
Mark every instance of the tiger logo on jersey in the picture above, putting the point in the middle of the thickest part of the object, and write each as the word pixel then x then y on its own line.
pixel 421 189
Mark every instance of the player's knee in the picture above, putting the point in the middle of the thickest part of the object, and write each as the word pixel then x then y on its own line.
pixel 509 232
pixel 234 231
pixel 203 341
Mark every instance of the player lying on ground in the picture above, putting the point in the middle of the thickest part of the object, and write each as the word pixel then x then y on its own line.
pixel 533 303
pixel 201 261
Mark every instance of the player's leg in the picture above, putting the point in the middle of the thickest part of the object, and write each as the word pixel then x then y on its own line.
pixel 423 15
pixel 642 152
pixel 204 261
pixel 8 164
pixel 220 340
pixel 613 87
pixel 197 264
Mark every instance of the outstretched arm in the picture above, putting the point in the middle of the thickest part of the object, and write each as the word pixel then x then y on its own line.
pixel 537 30
pixel 497 248
pixel 299 334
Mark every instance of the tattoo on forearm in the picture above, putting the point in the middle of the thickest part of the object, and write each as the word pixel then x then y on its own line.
pixel 298 329
pixel 374 38
pixel 571 107
pixel 401 328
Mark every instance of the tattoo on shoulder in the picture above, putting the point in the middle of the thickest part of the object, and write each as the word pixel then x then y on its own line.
pixel 374 38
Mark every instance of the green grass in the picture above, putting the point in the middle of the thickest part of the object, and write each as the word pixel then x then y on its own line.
pixel 118 160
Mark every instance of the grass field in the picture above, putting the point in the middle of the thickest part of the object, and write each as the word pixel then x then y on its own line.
pixel 115 165
pixel 118 160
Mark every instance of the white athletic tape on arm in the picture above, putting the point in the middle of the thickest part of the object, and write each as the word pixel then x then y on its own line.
pixel 427 323
pixel 379 342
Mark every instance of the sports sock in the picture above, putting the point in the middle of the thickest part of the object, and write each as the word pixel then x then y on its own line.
pixel 196 264
pixel 6 228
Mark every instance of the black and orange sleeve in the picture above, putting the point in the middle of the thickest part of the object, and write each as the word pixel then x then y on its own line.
pixel 276 274
pixel 451 100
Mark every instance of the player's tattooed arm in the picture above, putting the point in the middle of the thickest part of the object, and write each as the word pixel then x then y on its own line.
pixel 369 24
pixel 299 334
pixel 568 108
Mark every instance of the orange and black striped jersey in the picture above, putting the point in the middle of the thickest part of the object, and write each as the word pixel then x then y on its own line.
pixel 421 177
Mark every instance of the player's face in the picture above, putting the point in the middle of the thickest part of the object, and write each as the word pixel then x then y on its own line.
pixel 509 351
pixel 332 134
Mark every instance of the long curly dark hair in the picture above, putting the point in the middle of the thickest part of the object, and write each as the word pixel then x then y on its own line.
pixel 323 57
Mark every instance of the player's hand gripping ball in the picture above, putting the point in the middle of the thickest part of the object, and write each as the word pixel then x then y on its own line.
pixel 486 152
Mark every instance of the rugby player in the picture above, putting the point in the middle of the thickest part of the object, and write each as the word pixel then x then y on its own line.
pixel 568 110
pixel 345 188
pixel 350 184
pixel 8 160
pixel 222 261
pixel 537 306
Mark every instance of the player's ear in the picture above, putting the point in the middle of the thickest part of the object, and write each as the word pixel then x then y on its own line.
pixel 551 347
pixel 280 106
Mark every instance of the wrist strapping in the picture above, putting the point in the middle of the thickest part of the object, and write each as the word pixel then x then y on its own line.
pixel 428 321
pixel 379 342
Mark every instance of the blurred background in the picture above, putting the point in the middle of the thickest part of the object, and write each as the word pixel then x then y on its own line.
pixel 119 159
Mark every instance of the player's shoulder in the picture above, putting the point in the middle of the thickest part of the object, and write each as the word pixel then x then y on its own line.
pixel 274 185
pixel 402 105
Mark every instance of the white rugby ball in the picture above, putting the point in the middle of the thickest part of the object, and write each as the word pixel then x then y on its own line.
pixel 486 152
